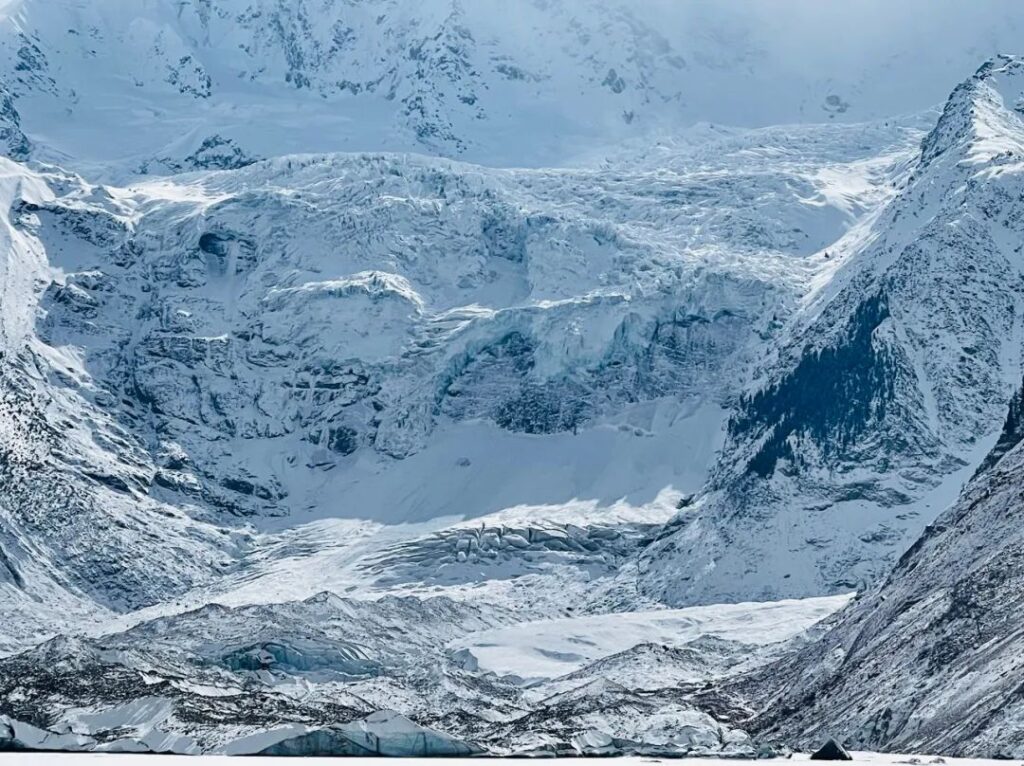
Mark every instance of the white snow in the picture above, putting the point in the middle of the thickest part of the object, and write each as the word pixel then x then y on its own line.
pixel 134 83
pixel 551 648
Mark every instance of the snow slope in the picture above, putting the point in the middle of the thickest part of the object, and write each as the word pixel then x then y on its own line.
pixel 558 647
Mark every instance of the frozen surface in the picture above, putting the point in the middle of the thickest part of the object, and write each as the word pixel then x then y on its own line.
pixel 552 648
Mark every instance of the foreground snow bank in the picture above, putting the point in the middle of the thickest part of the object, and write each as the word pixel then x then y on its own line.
pixel 102 759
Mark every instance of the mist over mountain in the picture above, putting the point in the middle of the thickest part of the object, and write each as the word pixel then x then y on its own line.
pixel 163 87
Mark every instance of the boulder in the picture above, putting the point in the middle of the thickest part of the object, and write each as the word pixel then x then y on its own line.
pixel 831 751
pixel 18 735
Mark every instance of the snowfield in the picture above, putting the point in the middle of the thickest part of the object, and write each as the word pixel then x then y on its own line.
pixel 552 648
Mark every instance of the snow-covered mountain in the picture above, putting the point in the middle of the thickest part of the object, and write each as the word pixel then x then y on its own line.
pixel 928 661
pixel 318 452
pixel 890 387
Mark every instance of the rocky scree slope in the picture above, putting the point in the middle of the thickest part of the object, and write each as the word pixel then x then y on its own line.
pixel 280 678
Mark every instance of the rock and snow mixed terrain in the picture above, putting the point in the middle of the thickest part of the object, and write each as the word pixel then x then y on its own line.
pixel 930 659
pixel 567 452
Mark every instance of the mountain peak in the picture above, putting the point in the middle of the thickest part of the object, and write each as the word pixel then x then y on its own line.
pixel 984 108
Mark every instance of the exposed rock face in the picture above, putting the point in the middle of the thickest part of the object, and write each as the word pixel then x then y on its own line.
pixel 1011 434
pixel 929 661
pixel 13 142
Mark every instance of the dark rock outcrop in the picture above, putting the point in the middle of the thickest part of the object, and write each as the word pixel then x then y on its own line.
pixel 831 751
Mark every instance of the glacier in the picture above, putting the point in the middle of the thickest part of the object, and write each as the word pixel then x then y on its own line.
pixel 392 378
